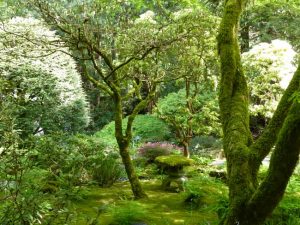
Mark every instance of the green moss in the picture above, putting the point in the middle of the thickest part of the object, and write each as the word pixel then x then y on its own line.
pixel 174 161
pixel 160 208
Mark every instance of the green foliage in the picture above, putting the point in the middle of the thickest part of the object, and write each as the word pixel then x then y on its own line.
pixel 146 128
pixel 128 213
pixel 39 180
pixel 78 159
pixel 43 81
pixel 268 20
pixel 21 182
pixel 150 129
pixel 199 143
pixel 203 118
pixel 194 196
pixel 288 210
pixel 287 213
pixel 106 169
pixel 150 151
pixel 222 208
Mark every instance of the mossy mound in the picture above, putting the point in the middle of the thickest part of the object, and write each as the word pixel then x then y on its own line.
pixel 174 161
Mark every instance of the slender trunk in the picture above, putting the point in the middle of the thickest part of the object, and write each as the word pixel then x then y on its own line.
pixel 186 151
pixel 123 143
pixel 245 36
pixel 136 187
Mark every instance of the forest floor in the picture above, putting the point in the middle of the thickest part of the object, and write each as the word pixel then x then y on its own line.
pixel 209 198
pixel 202 203
pixel 161 207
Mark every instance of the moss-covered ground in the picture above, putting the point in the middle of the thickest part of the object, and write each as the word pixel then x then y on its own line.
pixel 207 200
pixel 161 207
pixel 116 206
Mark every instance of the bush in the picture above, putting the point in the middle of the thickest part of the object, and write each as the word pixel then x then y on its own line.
pixel 45 84
pixel 79 159
pixel 21 185
pixel 194 196
pixel 286 213
pixel 106 169
pixel 146 128
pixel 152 150
pixel 202 143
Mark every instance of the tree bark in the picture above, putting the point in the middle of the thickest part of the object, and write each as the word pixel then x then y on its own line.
pixel 123 143
pixel 249 202
pixel 136 186
pixel 186 151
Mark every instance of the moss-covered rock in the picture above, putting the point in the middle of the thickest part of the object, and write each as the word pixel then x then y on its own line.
pixel 172 166
pixel 173 161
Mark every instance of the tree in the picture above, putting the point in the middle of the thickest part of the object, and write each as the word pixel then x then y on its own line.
pixel 249 201
pixel 195 70
pixel 196 114
pixel 43 80
pixel 266 20
pixel 116 42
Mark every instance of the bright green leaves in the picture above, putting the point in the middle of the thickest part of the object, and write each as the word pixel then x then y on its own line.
pixel 273 20
pixel 202 117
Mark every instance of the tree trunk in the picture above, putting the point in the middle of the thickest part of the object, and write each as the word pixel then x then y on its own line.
pixel 136 187
pixel 249 202
pixel 186 151
pixel 123 143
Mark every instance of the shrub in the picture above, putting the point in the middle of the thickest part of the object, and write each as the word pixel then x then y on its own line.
pixel 78 159
pixel 194 197
pixel 43 81
pixel 106 169
pixel 203 143
pixel 152 150
pixel 146 128
pixel 151 129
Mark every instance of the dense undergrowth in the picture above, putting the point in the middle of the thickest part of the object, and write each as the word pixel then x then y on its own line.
pixel 79 180
pixel 82 182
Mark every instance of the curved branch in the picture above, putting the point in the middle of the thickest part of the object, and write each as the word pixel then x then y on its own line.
pixel 141 105
pixel 282 164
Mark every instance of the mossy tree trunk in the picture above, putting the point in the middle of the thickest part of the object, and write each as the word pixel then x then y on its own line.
pixel 249 202
pixel 113 88
pixel 124 140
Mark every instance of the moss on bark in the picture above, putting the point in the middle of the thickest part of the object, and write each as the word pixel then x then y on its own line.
pixel 123 143
pixel 250 203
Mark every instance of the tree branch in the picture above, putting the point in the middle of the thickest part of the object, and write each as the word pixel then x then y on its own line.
pixel 266 141
pixel 141 105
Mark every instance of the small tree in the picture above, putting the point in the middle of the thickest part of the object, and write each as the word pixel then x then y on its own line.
pixel 190 115
pixel 195 69
pixel 124 50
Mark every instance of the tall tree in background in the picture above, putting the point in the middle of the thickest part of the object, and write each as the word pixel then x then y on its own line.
pixel 250 202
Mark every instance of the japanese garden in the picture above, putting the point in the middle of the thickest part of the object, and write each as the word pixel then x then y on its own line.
pixel 155 112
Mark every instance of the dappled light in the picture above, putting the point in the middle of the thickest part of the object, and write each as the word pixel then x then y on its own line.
pixel 132 112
